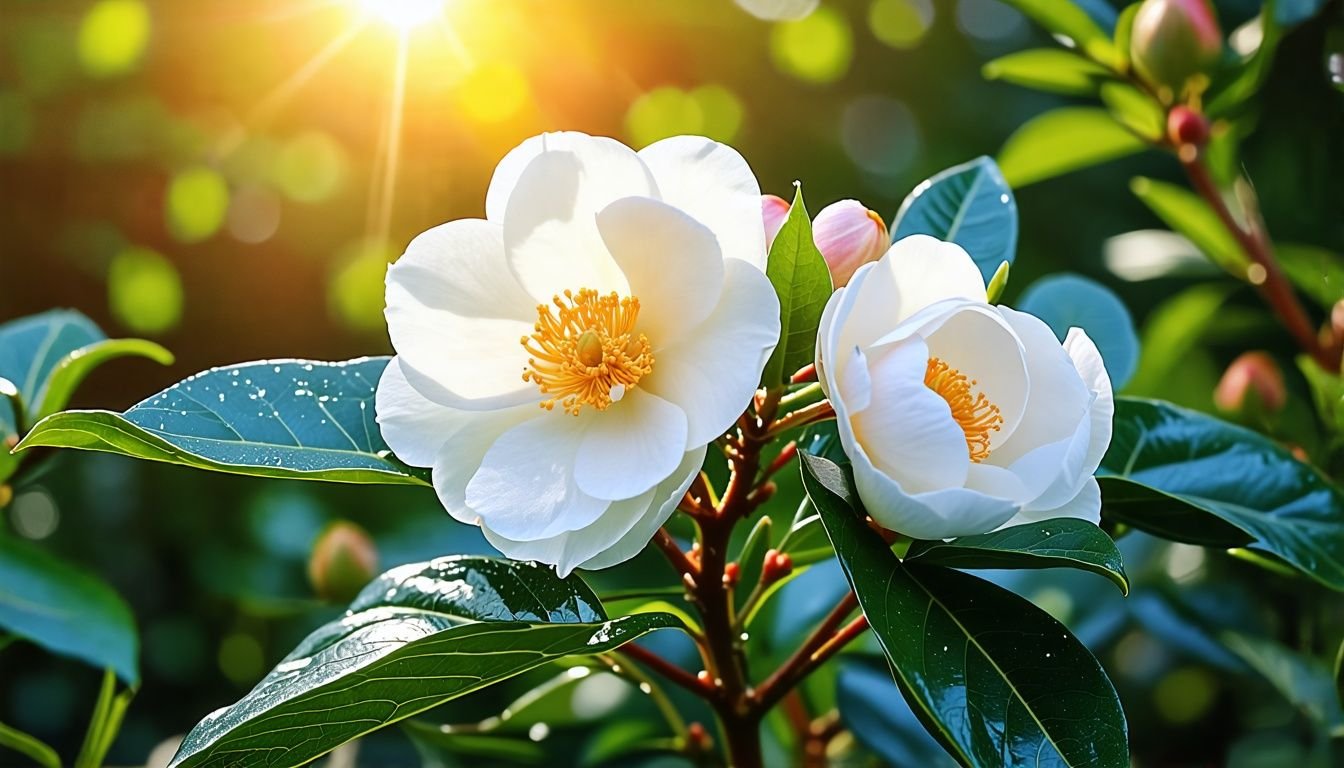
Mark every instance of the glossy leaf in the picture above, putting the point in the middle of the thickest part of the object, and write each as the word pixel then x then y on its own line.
pixel 1060 543
pixel 1190 477
pixel 1186 213
pixel 995 679
pixel 1064 301
pixel 1049 69
pixel 970 205
pixel 1064 140
pixel 281 418
pixel 803 282
pixel 72 369
pixel 65 609
pixel 1316 271
pixel 1064 17
pixel 416 637
pixel 871 708
pixel 32 347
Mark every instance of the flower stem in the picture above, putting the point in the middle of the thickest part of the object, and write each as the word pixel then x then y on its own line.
pixel 669 671
pixel 824 642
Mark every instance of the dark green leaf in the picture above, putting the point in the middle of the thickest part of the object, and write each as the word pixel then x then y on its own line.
pixel 803 282
pixel 970 205
pixel 1316 271
pixel 1188 214
pixel 64 609
pixel 1064 140
pixel 1064 17
pixel 1190 477
pixel 1049 69
pixel 1064 301
pixel 995 679
pixel 1305 682
pixel 283 418
pixel 1060 543
pixel 71 370
pixel 417 636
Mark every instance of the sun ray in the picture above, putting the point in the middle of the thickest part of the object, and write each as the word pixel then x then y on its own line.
pixel 381 200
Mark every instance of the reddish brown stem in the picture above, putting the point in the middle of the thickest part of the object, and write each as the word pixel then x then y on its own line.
pixel 675 556
pixel 1274 287
pixel 666 669
pixel 822 644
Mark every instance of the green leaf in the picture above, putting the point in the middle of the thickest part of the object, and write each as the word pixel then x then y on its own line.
pixel 1061 543
pixel 1124 33
pixel 72 369
pixel 35 749
pixel 1316 271
pixel 1064 140
pixel 1049 69
pixel 803 282
pixel 281 418
pixel 1063 17
pixel 64 609
pixel 1065 301
pixel 1135 110
pixel 416 637
pixel 751 558
pixel 969 204
pixel 1189 477
pixel 1327 391
pixel 1305 682
pixel 31 347
pixel 108 713
pixel 865 695
pixel 1188 214
pixel 995 679
pixel 1172 335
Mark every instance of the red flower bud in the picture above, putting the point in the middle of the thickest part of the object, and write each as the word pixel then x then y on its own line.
pixel 731 573
pixel 1251 372
pixel 776 566
pixel 343 561
pixel 1186 126
pixel 1174 40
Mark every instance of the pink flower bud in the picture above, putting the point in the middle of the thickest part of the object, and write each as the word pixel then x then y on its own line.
pixel 1252 371
pixel 343 561
pixel 849 236
pixel 1174 40
pixel 774 210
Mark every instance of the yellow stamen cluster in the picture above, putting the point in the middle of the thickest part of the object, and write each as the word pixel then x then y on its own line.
pixel 975 414
pixel 585 346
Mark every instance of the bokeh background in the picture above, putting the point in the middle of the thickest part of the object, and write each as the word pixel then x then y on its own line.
pixel 231 178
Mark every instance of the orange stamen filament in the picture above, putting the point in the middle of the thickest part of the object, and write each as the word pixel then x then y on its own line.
pixel 974 413
pixel 585 350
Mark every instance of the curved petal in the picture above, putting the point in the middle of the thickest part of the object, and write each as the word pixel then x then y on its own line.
pixel 907 430
pixel 1087 360
pixel 713 371
pixel 631 447
pixel 976 340
pixel 943 514
pixel 455 315
pixel 1058 401
pixel 618 535
pixel 713 183
pixel 1052 473
pixel 1085 505
pixel 524 488
pixel 511 166
pixel 412 425
pixel 462 449
pixel 671 261
pixel 550 222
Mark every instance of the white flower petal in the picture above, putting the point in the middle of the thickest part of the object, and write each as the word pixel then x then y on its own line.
pixel 1090 367
pixel 671 262
pixel 463 447
pixel 456 314
pixel 1085 505
pixel 997 482
pixel 714 184
pixel 568 549
pixel 550 224
pixel 525 489
pixel 667 496
pixel 412 425
pixel 856 382
pixel 630 447
pixel 713 371
pixel 1058 401
pixel 907 430
pixel 511 166
pixel 977 341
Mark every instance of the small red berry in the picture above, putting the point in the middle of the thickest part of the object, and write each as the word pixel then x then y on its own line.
pixel 1186 126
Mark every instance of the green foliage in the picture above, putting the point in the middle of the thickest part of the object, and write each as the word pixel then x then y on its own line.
pixel 1049 69
pixel 968 204
pixel 803 282
pixel 1186 213
pixel 1038 694
pixel 1064 301
pixel 65 610
pixel 281 418
pixel 1062 543
pixel 1064 17
pixel 416 637
pixel 1063 140
pixel 1316 271
pixel 1192 478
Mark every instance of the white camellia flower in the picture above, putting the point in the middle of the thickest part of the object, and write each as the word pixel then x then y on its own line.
pixel 562 363
pixel 959 416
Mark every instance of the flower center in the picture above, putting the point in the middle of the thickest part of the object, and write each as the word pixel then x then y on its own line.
pixel 976 416
pixel 585 350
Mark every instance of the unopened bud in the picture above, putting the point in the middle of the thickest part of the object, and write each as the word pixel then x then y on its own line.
pixel 343 561
pixel 1185 126
pixel 776 566
pixel 774 210
pixel 1252 372
pixel 1173 41
pixel 11 442
pixel 698 739
pixel 849 236
pixel 731 573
